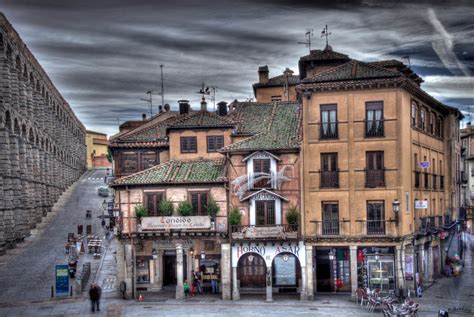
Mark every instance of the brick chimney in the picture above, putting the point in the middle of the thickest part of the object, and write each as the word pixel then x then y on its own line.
pixel 143 116
pixel 160 109
pixel 222 108
pixel 263 74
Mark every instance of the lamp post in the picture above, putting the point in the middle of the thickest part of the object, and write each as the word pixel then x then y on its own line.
pixel 191 253
pixel 331 255
pixel 396 210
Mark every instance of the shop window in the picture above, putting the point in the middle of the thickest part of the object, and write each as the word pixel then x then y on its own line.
pixel 199 202
pixel 265 212
pixel 152 201
pixel 143 270
pixel 381 273
pixel 215 143
pixel 188 144
pixel 285 270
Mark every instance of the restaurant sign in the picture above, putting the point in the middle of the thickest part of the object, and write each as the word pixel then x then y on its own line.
pixel 166 223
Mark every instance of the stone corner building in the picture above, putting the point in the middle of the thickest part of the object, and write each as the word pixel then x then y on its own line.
pixel 42 142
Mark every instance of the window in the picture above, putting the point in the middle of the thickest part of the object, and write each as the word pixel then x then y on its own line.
pixel 374 119
pixel 375 218
pixel 422 125
pixel 265 212
pixel 375 174
pixel 328 122
pixel 148 159
pixel 427 180
pixel 330 218
pixel 276 98
pixel 199 202
pixel 262 166
pixel 215 143
pixel 414 111
pixel 432 122
pixel 188 144
pixel 129 163
pixel 152 201
pixel 329 171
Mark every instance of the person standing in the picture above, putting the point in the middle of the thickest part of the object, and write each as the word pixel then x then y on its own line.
pixel 94 293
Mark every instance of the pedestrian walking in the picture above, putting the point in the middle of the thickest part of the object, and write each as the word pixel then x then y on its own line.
pixel 197 278
pixel 94 293
pixel 214 283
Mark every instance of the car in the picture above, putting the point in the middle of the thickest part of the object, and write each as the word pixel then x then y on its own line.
pixel 103 191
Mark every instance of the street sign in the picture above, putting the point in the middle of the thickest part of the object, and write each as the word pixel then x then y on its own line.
pixel 62 279
pixel 424 164
pixel 421 204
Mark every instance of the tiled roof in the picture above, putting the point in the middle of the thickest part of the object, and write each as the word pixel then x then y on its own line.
pixel 201 119
pixel 151 133
pixel 326 54
pixel 352 70
pixel 279 81
pixel 276 126
pixel 178 172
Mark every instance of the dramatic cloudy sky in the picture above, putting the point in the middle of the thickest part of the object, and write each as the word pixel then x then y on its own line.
pixel 103 55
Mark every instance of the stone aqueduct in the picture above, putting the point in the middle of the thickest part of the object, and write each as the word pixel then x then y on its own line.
pixel 42 143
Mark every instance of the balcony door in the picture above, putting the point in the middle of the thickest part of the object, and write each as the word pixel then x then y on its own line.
pixel 330 219
pixel 265 212
pixel 375 176
pixel 329 176
pixel 375 218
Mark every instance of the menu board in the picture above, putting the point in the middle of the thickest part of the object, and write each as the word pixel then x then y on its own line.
pixel 285 269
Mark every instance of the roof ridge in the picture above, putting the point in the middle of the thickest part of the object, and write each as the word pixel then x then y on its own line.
pixel 272 117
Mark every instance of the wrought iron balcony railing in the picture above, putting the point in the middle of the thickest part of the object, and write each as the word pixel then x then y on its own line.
pixel 375 178
pixel 270 232
pixel 329 179
pixel 374 128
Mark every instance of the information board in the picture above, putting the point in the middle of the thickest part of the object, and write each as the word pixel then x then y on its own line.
pixel 62 279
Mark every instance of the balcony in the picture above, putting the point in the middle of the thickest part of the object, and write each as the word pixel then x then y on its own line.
pixel 268 232
pixel 343 229
pixel 329 179
pixel 262 180
pixel 375 227
pixel 374 178
pixel 374 128
pixel 330 133
pixel 328 228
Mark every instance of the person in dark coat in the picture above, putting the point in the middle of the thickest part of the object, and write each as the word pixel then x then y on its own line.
pixel 94 293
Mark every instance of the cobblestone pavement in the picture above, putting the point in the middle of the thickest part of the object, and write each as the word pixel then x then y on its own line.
pixel 27 272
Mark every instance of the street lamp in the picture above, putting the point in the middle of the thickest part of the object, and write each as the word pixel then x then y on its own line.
pixel 377 256
pixel 331 255
pixel 104 205
pixel 396 209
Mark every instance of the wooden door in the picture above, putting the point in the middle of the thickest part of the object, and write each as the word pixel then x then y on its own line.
pixel 252 271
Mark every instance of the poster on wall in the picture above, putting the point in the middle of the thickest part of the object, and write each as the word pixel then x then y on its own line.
pixel 421 204
pixel 409 267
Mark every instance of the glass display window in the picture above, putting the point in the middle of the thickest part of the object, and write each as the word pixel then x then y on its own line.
pixel 381 273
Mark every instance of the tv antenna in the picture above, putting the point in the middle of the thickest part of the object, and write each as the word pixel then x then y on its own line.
pixel 407 58
pixel 326 33
pixel 205 90
pixel 162 93
pixel 150 101
pixel 308 35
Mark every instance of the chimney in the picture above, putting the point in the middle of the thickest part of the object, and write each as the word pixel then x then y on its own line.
pixel 160 109
pixel 203 104
pixel 167 107
pixel 263 74
pixel 222 108
pixel 143 116
pixel 183 106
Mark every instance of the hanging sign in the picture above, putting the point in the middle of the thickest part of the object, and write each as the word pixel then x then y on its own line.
pixel 424 164
pixel 62 279
pixel 421 204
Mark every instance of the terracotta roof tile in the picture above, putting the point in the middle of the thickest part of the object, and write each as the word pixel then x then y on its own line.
pixel 201 119
pixel 178 172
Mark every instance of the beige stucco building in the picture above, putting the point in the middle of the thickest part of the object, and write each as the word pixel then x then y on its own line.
pixel 96 144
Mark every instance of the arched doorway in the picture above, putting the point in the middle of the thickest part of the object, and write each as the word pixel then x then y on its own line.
pixel 251 271
pixel 286 271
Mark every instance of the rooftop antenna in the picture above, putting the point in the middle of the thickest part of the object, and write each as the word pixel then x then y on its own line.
pixel 407 58
pixel 308 35
pixel 213 98
pixel 162 93
pixel 205 90
pixel 326 33
pixel 150 101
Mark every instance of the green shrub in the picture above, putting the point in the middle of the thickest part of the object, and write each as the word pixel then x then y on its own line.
pixel 235 216
pixel 140 211
pixel 292 215
pixel 212 207
pixel 185 208
pixel 166 207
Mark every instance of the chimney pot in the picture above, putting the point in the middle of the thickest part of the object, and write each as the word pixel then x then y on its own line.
pixel 143 116
pixel 183 106
pixel 167 107
pixel 203 104
pixel 222 108
pixel 160 109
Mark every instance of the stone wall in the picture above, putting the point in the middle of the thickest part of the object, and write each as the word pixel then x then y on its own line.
pixel 42 143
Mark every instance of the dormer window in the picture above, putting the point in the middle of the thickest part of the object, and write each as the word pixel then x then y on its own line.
pixel 261 170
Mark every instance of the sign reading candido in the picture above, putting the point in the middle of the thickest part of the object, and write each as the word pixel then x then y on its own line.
pixel 163 223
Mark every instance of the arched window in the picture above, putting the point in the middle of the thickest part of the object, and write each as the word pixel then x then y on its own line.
pixel 8 121
pixel 17 127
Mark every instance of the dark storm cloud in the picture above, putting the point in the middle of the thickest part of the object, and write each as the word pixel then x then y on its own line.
pixel 104 55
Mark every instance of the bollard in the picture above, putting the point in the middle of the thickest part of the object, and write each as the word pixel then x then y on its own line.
pixel 52 291
pixel 70 292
